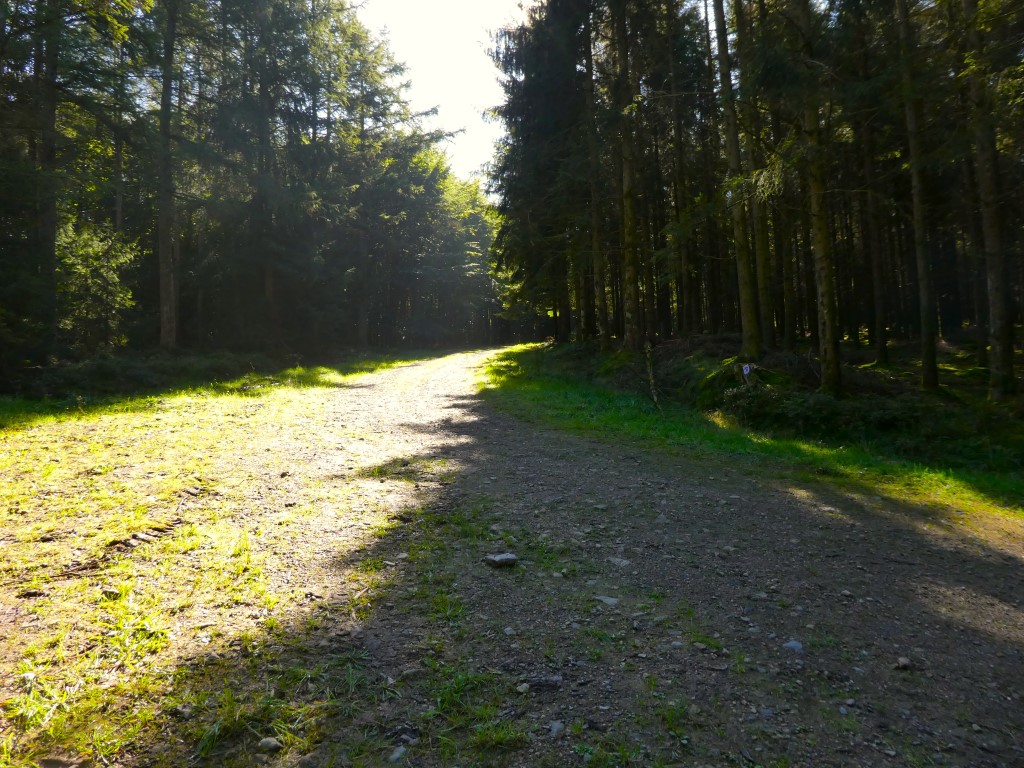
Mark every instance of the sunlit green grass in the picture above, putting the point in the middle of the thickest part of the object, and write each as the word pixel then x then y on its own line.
pixel 516 381
pixel 113 631
pixel 129 386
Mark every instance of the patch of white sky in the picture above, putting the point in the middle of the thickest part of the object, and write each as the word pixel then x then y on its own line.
pixel 444 45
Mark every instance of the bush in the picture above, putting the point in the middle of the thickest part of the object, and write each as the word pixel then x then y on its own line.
pixel 92 299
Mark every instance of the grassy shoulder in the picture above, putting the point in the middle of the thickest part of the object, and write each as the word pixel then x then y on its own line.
pixel 142 530
pixel 949 454
pixel 126 384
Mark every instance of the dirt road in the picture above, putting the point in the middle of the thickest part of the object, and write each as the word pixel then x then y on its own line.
pixel 665 610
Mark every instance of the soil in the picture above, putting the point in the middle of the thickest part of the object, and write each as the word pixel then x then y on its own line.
pixel 665 610
pixel 909 624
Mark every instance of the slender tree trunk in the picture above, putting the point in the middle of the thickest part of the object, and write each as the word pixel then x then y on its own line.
pixel 758 206
pixel 986 158
pixel 165 196
pixel 50 25
pixel 926 295
pixel 631 310
pixel 746 286
pixel 821 240
pixel 599 258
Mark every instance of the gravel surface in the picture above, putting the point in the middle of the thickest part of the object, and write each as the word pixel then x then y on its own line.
pixel 652 608
pixel 689 612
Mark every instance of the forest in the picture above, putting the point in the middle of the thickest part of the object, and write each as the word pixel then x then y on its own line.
pixel 248 176
pixel 841 174
pixel 220 175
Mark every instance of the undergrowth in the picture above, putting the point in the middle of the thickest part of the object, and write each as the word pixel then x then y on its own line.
pixel 950 449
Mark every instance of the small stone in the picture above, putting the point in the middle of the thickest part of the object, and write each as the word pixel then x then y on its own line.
pixel 509 631
pixel 607 600
pixel 523 688
pixel 851 702
pixel 903 663
pixel 700 646
pixel 795 646
pixel 398 754
pixel 556 729
pixel 661 520
pixel 676 644
pixel 182 712
pixel 846 593
pixel 503 560
pixel 270 744
pixel 844 711
pixel 621 562
pixel 109 592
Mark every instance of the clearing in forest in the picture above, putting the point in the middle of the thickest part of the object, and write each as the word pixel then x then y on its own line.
pixel 292 573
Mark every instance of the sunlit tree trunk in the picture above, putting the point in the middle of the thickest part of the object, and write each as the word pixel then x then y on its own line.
pixel 49 23
pixel 165 195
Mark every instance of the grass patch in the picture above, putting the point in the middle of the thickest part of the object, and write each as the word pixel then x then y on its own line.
pixel 142 522
pixel 573 390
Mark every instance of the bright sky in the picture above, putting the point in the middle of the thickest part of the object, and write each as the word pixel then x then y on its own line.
pixel 444 45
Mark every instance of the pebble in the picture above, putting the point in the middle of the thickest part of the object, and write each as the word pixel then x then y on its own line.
pixel 660 520
pixel 844 711
pixel 621 562
pixel 509 631
pixel 398 754
pixel 269 744
pixel 903 663
pixel 502 560
pixel 607 600
pixel 523 688
pixel 794 645
pixel 556 729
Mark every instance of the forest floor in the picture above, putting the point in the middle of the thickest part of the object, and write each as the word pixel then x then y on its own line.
pixel 295 576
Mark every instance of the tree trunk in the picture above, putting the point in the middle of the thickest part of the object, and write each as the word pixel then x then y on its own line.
pixel 631 310
pixel 758 206
pixel 165 194
pixel 986 158
pixel 821 242
pixel 746 286
pixel 926 296
pixel 599 258
pixel 48 60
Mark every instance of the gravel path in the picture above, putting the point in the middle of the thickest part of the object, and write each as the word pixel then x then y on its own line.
pixel 685 612
pixel 665 609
